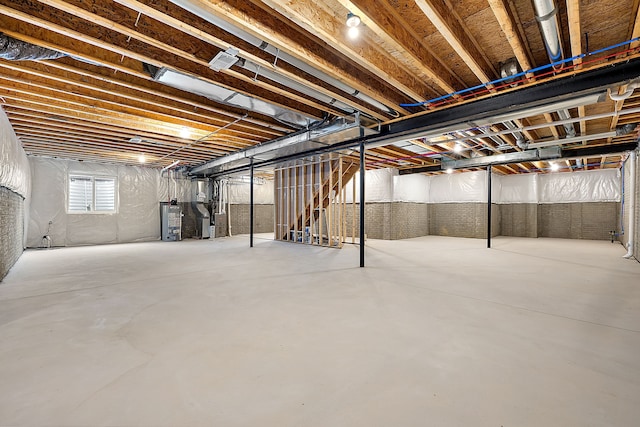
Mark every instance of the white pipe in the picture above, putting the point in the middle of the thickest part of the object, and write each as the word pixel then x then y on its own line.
pixel 228 212
pixel 632 206
pixel 548 19
pixel 170 166
pixel 626 94
pixel 572 140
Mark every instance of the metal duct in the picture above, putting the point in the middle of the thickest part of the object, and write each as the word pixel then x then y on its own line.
pixel 568 127
pixel 279 78
pixel 502 159
pixel 281 56
pixel 548 20
pixel 226 96
pixel 339 130
pixel 17 50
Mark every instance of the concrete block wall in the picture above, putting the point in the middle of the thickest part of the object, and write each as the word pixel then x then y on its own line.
pixel 463 220
pixel 519 220
pixel 263 218
pixel 390 221
pixel 11 229
pixel 591 221
pixel 409 220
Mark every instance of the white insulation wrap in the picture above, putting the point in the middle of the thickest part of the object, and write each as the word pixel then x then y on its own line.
pixel 137 216
pixel 515 188
pixel 14 165
pixel 585 186
pixel 239 193
pixel 459 188
pixel 378 186
pixel 411 188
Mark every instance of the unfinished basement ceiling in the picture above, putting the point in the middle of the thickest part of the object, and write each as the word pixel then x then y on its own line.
pixel 282 65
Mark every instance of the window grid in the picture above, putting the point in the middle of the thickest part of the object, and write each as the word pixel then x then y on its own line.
pixel 91 194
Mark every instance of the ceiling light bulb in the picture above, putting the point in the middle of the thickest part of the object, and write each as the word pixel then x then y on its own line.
pixel 449 170
pixel 555 166
pixel 457 148
pixel 353 20
pixel 141 158
pixel 185 133
pixel 353 32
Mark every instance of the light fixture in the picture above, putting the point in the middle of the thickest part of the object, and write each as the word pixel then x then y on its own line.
pixel 555 167
pixel 185 133
pixel 449 170
pixel 141 158
pixel 457 148
pixel 353 20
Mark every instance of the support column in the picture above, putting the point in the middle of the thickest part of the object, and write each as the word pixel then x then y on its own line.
pixel 251 205
pixel 362 170
pixel 489 206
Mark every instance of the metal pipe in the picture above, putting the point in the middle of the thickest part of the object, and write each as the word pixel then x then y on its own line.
pixel 251 206
pixel 489 207
pixel 633 158
pixel 574 139
pixel 548 20
pixel 362 171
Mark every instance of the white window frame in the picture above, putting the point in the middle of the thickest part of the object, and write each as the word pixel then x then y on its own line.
pixel 92 178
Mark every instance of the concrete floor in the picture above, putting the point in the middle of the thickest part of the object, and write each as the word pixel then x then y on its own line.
pixel 435 332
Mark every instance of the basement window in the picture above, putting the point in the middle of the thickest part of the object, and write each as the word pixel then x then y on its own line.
pixel 92 194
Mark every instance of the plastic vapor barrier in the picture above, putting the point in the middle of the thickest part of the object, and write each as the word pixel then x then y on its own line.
pixel 515 188
pixel 585 186
pixel 458 188
pixel 138 193
pixel 411 188
pixel 14 165
pixel 379 184
pixel 384 185
pixel 240 193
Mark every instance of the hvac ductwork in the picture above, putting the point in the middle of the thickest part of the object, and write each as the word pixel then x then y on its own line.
pixel 18 50
pixel 548 20
pixel 281 56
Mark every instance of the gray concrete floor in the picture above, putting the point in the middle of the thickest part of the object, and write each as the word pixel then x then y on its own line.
pixel 434 332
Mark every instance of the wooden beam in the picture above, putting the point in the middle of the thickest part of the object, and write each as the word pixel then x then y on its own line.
pixel 110 52
pixel 58 118
pixel 575 31
pixel 553 129
pixel 383 20
pixel 249 53
pixel 508 25
pixel 268 27
pixel 115 99
pixel 162 93
pixel 636 29
pixel 80 103
pixel 316 20
pixel 444 17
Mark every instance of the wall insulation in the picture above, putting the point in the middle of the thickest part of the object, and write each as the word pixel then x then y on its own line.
pixel 385 185
pixel 580 205
pixel 15 195
pixel 137 217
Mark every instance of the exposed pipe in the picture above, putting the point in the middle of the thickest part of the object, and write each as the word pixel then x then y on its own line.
pixel 278 78
pixel 18 50
pixel 228 212
pixel 626 94
pixel 548 20
pixel 282 56
pixel 568 127
pixel 633 158
pixel 610 134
